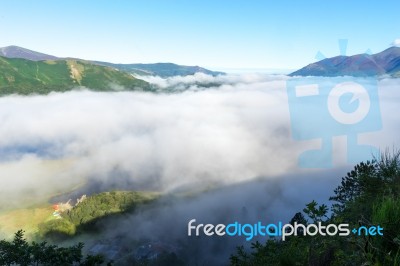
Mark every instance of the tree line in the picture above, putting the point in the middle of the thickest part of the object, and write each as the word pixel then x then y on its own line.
pixel 368 195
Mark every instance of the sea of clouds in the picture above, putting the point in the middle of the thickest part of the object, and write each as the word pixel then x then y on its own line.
pixel 230 133
pixel 233 135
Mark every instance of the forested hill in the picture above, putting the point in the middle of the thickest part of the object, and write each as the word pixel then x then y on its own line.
pixel 21 76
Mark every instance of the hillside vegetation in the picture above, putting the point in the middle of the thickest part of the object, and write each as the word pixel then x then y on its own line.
pixel 369 195
pixel 20 252
pixel 39 221
pixel 106 203
pixel 85 214
pixel 21 76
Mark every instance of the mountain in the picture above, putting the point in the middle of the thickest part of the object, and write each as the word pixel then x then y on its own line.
pixel 19 52
pixel 386 62
pixel 157 69
pixel 22 76
pixel 161 69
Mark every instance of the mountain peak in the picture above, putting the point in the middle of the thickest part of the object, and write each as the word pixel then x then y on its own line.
pixel 14 51
pixel 385 62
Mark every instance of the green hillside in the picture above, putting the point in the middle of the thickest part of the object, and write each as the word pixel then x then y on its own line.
pixel 21 76
pixel 95 207
pixel 40 219
pixel 107 203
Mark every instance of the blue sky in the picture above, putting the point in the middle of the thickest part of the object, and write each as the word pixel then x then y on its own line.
pixel 215 34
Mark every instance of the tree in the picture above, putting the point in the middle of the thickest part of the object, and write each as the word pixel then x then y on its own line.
pixel 20 252
pixel 57 228
pixel 356 183
pixel 315 212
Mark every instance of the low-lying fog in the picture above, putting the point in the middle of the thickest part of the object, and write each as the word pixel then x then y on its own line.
pixel 233 139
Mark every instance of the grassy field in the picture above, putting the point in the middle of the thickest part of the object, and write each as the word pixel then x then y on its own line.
pixel 26 219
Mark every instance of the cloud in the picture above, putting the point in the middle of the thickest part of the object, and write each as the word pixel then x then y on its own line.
pixel 167 141
pixel 219 136
pixel 234 138
pixel 396 43
pixel 201 80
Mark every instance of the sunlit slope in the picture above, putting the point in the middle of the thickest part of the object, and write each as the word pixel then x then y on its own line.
pixel 21 76
pixel 40 219
pixel 27 219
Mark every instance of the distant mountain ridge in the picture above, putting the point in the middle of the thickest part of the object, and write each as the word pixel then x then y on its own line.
pixel 19 52
pixel 386 62
pixel 161 69
pixel 158 69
